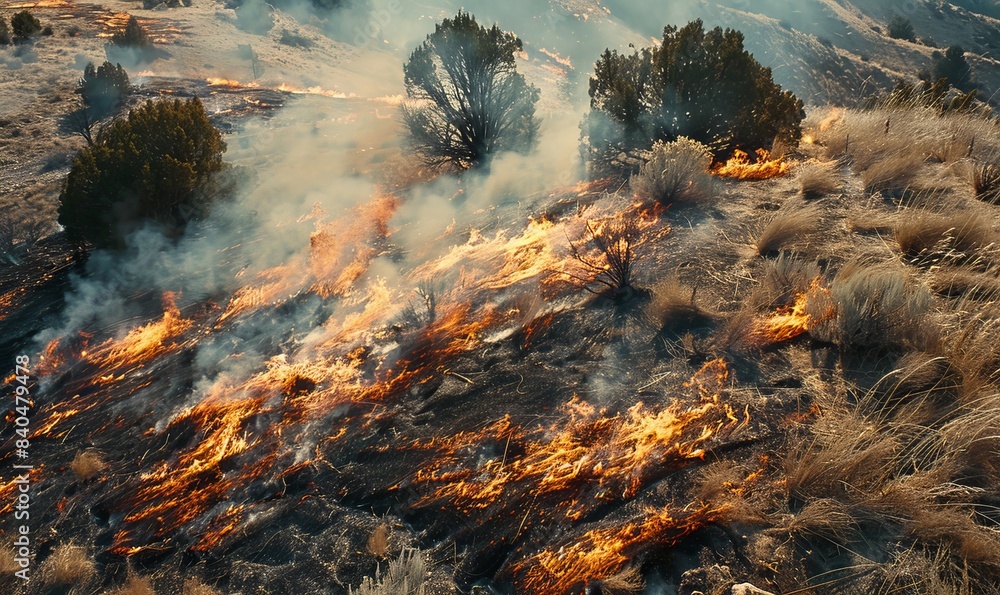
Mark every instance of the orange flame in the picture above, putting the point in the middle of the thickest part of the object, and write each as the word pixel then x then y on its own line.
pixel 740 168
pixel 790 322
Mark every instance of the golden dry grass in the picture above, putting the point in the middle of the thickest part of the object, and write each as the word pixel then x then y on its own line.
pixel 929 238
pixel 787 226
pixel 87 464
pixel 69 564
pixel 818 180
pixel 378 541
pixel 135 585
pixel 194 586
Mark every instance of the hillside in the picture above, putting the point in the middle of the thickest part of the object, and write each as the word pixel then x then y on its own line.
pixel 359 374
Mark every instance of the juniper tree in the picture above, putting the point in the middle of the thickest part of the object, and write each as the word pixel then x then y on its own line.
pixel 155 165
pixel 466 99
pixel 697 83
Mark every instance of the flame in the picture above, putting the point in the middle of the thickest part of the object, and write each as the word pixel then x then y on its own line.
pixel 145 343
pixel 740 168
pixel 601 553
pixel 230 83
pixel 790 322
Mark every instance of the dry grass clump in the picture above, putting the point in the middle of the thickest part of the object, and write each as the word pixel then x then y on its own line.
pixel 378 541
pixel 892 174
pixel 784 278
pixel 986 182
pixel 69 564
pixel 818 180
pixel 194 586
pixel 877 308
pixel 405 575
pixel 824 518
pixel 7 564
pixel 787 225
pixel 961 283
pixel 135 585
pixel 674 173
pixel 928 238
pixel 626 582
pixel 87 464
pixel 673 305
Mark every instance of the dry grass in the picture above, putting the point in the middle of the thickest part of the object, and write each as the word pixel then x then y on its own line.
pixel 818 180
pixel 986 182
pixel 87 464
pixel 962 283
pixel 69 564
pixel 7 565
pixel 784 278
pixel 135 585
pixel 405 575
pixel 193 586
pixel 378 541
pixel 824 518
pixel 892 174
pixel 786 226
pixel 674 173
pixel 626 582
pixel 928 238
pixel 877 308
pixel 674 305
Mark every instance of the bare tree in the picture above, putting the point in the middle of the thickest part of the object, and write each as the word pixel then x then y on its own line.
pixel 616 242
pixel 467 100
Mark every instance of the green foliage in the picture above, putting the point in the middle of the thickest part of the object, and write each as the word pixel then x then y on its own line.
pixel 700 84
pixel 132 36
pixel 467 100
pixel 953 67
pixel 156 165
pixel 24 25
pixel 4 32
pixel 102 88
pixel 900 27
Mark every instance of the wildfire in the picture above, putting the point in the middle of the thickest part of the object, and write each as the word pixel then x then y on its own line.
pixel 601 553
pixel 147 342
pixel 789 322
pixel 739 166
pixel 230 83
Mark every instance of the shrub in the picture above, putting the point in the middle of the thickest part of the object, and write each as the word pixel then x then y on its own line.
pixel 700 84
pixel 24 25
pixel 4 32
pixel 615 241
pixel 953 67
pixel 900 27
pixel 676 172
pixel 102 88
pixel 157 165
pixel 467 100
pixel 132 36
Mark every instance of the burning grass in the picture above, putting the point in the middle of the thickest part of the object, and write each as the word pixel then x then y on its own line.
pixel 763 167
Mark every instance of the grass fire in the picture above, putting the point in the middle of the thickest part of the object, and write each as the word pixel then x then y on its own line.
pixel 551 298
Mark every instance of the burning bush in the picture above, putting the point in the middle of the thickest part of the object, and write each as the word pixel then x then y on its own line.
pixel 24 25
pixel 102 88
pixel 697 83
pixel 675 172
pixel 467 100
pixel 157 165
pixel 132 36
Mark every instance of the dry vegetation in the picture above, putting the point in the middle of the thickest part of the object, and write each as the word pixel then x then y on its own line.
pixel 134 585
pixel 69 565
pixel 788 226
pixel 405 575
pixel 87 464
pixel 674 173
